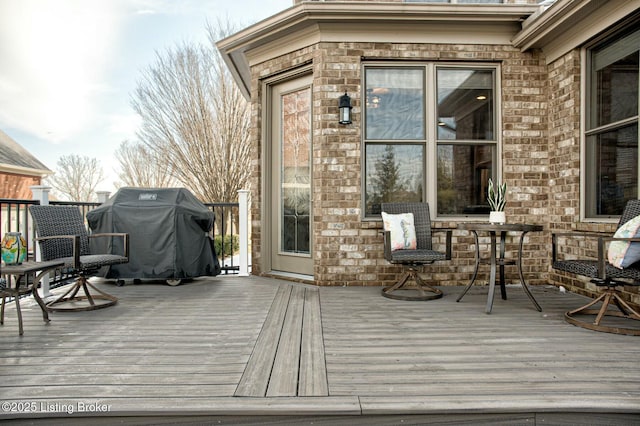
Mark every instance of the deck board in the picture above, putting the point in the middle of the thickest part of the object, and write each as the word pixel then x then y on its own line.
pixel 284 375
pixel 213 347
pixel 313 368
pixel 255 379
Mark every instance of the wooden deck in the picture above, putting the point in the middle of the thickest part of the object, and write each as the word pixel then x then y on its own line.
pixel 233 350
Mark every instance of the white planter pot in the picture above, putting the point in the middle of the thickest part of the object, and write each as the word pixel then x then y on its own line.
pixel 497 217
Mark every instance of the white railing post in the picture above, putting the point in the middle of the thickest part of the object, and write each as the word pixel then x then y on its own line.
pixel 243 231
pixel 103 196
pixel 41 193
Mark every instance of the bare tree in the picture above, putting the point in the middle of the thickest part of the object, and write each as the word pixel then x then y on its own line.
pixel 76 178
pixel 194 115
pixel 143 168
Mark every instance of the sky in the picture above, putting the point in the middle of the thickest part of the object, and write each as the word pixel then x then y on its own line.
pixel 68 68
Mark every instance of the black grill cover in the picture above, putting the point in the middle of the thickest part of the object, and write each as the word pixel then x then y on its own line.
pixel 168 233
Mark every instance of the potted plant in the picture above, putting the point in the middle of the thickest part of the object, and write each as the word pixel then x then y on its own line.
pixel 496 196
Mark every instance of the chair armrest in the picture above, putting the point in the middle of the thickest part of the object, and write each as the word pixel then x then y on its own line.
pixel 75 241
pixel 124 236
pixel 387 245
pixel 449 233
pixel 573 234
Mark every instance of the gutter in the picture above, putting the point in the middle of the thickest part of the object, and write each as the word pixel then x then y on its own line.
pixel 28 171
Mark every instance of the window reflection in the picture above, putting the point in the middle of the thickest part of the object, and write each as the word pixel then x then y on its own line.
pixel 394 104
pixel 394 174
pixel 615 156
pixel 465 104
pixel 296 173
pixel 463 175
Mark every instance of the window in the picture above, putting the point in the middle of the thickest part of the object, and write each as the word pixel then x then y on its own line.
pixel 611 137
pixel 430 135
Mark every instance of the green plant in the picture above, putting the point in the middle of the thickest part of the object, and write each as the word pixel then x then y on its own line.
pixel 227 246
pixel 497 196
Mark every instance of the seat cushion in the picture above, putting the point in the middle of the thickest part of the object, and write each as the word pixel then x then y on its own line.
pixel 402 230
pixel 589 268
pixel 95 261
pixel 622 254
pixel 417 256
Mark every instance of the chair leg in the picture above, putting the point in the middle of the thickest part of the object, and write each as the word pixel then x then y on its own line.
pixel 410 282
pixel 609 297
pixel 70 301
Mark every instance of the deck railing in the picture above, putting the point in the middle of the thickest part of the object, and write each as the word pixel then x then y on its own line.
pixel 229 233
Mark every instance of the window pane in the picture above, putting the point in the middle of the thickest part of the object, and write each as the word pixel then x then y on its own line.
pixel 612 171
pixel 296 171
pixel 615 90
pixel 465 104
pixel 394 106
pixel 463 175
pixel 392 173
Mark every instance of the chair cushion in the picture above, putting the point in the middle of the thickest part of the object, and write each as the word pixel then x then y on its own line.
pixel 94 261
pixel 417 256
pixel 589 268
pixel 622 254
pixel 402 230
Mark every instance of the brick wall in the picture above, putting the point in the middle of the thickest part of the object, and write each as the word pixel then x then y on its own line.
pixel 17 186
pixel 348 250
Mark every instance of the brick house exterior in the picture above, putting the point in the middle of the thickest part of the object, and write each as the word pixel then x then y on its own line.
pixel 19 170
pixel 538 52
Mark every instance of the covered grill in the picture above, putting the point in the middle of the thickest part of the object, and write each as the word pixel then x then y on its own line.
pixel 168 233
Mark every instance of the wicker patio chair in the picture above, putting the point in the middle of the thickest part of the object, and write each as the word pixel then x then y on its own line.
pixel 63 235
pixel 411 286
pixel 604 276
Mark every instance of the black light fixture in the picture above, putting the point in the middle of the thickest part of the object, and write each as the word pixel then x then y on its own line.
pixel 345 109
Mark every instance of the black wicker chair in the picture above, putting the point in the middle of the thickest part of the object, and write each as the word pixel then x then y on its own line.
pixel 410 286
pixel 605 276
pixel 63 235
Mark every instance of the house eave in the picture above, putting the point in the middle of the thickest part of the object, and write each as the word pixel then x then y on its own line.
pixel 548 23
pixel 27 171
pixel 568 24
pixel 235 48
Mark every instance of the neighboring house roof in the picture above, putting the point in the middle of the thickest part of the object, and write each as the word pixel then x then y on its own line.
pixel 15 159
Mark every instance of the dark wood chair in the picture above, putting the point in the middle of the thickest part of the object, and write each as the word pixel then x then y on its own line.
pixel 605 276
pixel 62 235
pixel 410 286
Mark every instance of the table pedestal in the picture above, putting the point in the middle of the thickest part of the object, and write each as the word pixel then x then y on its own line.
pixel 495 261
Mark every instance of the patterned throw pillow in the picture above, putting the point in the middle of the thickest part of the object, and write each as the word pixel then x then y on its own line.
pixel 402 229
pixel 622 254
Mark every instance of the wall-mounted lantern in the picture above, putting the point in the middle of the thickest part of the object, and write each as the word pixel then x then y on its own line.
pixel 345 109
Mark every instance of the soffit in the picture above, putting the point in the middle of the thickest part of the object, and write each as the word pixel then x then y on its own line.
pixel 308 23
pixel 568 24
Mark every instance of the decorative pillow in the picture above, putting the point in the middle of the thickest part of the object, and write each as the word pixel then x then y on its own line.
pixel 624 253
pixel 402 229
